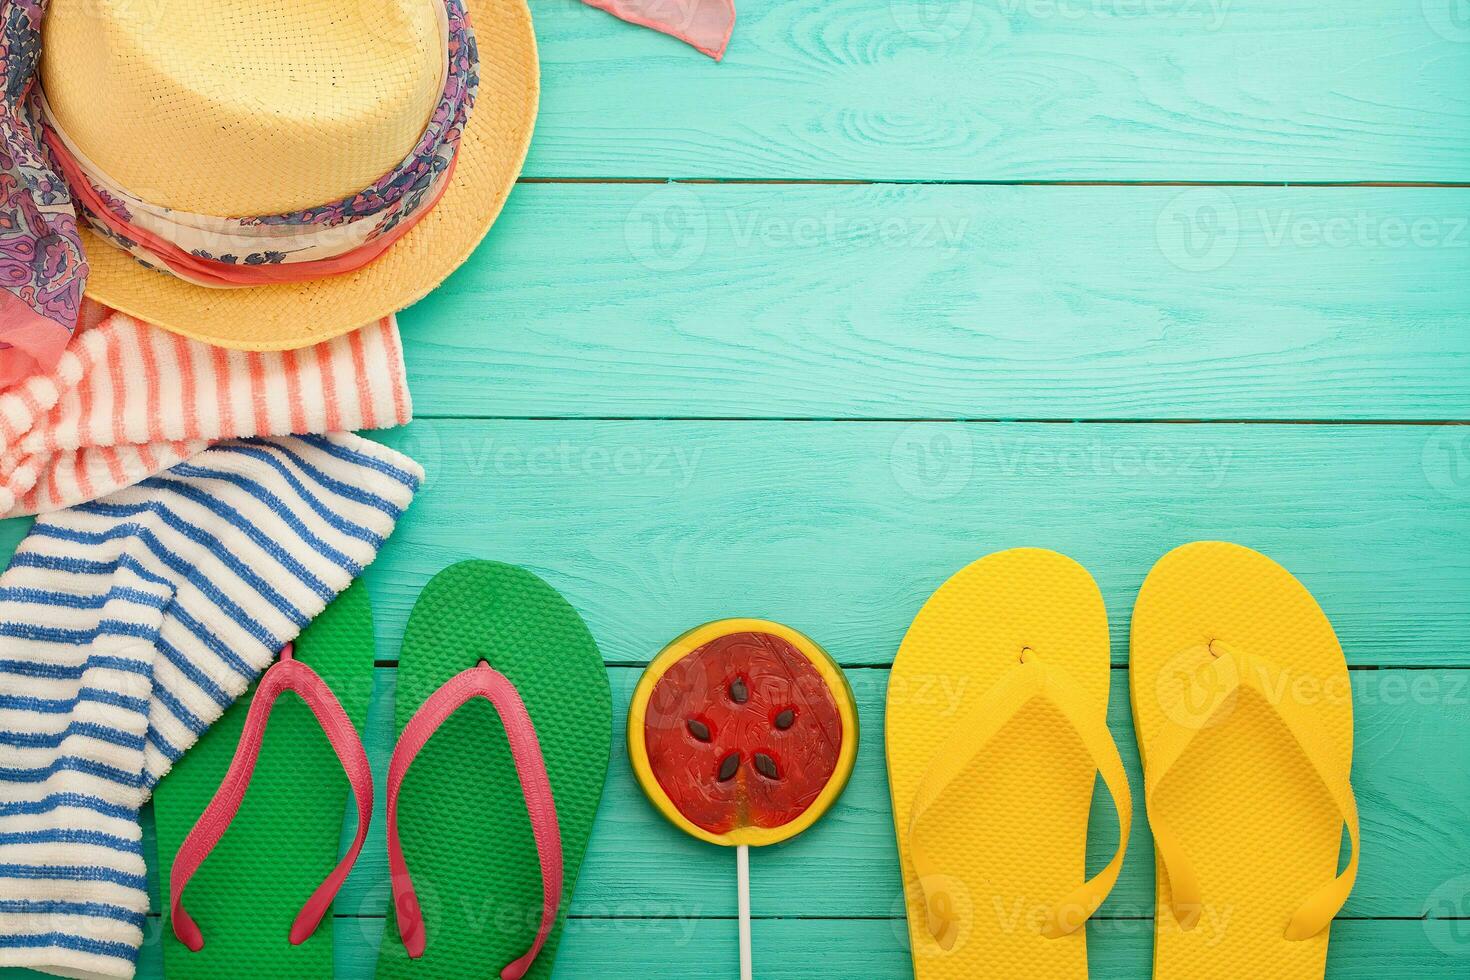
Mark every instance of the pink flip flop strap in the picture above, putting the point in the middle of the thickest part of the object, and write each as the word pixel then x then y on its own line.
pixel 525 748
pixel 287 674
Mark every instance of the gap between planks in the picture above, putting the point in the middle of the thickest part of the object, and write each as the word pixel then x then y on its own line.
pixel 903 420
pixel 840 181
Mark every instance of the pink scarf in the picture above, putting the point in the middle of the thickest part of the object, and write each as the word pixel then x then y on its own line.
pixel 706 24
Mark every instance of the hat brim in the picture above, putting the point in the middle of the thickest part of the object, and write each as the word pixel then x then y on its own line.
pixel 281 317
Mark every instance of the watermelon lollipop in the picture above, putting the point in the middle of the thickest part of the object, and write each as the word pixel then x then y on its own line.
pixel 743 733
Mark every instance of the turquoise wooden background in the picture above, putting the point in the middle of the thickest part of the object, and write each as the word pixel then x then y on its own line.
pixel 903 282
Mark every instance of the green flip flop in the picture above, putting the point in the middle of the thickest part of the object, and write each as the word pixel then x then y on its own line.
pixel 285 838
pixel 504 714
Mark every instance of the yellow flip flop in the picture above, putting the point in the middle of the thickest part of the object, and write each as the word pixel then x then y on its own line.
pixel 996 731
pixel 1243 707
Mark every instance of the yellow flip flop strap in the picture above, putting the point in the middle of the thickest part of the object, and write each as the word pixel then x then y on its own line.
pixel 1228 671
pixel 1030 681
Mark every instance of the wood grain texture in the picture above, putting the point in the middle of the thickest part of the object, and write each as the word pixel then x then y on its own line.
pixel 949 289
pixel 1413 743
pixel 1203 90
pixel 646 884
pixel 700 300
pixel 843 529
pixel 866 950
pixel 800 949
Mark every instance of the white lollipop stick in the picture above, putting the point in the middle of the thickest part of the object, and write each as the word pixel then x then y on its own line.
pixel 742 884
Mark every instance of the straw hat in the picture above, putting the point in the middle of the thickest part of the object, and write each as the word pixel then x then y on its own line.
pixel 256 107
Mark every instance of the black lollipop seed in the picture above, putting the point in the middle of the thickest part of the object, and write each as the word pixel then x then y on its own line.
pixel 729 767
pixel 698 729
pixel 739 693
pixel 786 719
pixel 766 766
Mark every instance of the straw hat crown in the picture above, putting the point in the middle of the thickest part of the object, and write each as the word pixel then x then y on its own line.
pixel 251 108
pixel 237 108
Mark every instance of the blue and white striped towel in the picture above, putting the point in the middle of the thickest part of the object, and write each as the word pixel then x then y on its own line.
pixel 127 625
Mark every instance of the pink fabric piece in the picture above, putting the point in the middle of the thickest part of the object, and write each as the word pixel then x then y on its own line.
pixel 128 400
pixel 485 682
pixel 287 674
pixel 706 24
pixel 27 339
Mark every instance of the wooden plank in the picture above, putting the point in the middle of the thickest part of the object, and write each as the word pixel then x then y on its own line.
pixel 843 529
pixel 11 534
pixel 723 301
pixel 799 949
pixel 1212 90
pixel 1413 743
pixel 645 881
pixel 847 950
pixel 646 541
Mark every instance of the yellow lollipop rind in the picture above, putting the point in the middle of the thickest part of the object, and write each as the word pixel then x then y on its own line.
pixel 831 675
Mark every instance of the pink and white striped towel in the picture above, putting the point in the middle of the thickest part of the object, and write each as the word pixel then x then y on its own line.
pixel 128 400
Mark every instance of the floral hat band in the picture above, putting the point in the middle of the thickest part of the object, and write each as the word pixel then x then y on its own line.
pixel 47 181
pixel 234 252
